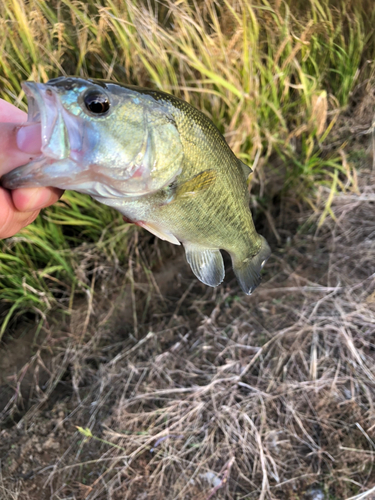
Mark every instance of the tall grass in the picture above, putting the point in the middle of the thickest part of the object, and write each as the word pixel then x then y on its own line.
pixel 273 76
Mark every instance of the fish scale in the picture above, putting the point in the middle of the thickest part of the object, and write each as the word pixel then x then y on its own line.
pixel 159 161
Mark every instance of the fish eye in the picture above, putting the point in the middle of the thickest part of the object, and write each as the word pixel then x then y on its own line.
pixel 97 103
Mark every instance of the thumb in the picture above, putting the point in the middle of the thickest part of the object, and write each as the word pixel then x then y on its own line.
pixel 19 144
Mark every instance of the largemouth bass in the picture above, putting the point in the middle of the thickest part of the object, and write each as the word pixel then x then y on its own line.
pixel 155 158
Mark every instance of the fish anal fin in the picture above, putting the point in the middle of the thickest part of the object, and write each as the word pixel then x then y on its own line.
pixel 207 264
pixel 248 271
pixel 158 231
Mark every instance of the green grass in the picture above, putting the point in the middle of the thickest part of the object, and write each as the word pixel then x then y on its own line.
pixel 273 76
pixel 45 263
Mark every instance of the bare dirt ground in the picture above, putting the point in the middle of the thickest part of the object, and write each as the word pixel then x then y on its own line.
pixel 198 393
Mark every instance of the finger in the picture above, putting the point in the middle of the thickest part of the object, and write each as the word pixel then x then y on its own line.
pixel 13 152
pixel 11 220
pixel 11 114
pixel 28 199
pixel 29 138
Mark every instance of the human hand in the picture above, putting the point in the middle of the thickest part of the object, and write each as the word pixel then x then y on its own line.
pixel 18 146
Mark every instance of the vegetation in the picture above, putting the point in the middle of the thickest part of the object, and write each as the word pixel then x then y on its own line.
pixel 281 80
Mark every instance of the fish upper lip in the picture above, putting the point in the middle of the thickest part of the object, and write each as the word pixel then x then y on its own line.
pixel 33 102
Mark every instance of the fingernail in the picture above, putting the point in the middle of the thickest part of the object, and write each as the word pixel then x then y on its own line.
pixel 29 138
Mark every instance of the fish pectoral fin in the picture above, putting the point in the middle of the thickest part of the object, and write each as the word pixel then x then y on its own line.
pixel 158 231
pixel 193 186
pixel 199 182
pixel 207 264
pixel 248 271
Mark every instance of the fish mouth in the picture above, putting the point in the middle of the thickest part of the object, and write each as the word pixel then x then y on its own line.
pixel 44 108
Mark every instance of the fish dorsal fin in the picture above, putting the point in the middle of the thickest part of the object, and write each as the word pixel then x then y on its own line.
pixel 193 186
pixel 245 168
pixel 207 264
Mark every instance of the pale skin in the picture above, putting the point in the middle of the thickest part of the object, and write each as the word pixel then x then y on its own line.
pixel 19 145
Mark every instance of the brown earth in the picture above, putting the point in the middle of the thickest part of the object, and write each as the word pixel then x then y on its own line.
pixel 199 393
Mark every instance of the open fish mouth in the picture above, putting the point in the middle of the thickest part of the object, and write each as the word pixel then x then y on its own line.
pixel 44 108
pixel 52 164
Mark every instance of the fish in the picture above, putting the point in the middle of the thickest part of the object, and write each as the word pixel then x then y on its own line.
pixel 156 159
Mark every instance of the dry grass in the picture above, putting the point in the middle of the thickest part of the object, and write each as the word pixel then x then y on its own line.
pixel 221 395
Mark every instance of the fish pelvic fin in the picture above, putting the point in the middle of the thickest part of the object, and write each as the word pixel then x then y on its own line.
pixel 248 271
pixel 158 231
pixel 206 263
